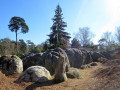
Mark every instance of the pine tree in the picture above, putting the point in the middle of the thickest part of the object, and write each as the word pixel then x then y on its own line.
pixel 75 43
pixel 58 37
pixel 17 23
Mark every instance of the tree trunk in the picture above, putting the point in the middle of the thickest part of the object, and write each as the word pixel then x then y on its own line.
pixel 16 43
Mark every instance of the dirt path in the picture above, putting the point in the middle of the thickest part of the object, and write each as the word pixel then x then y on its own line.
pixel 87 82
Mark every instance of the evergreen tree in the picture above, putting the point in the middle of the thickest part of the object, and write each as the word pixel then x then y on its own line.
pixel 75 43
pixel 58 37
pixel 17 23
pixel 22 46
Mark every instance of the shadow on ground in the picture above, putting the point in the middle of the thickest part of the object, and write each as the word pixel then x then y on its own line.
pixel 37 84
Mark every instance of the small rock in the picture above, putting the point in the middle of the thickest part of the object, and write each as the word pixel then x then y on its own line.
pixel 73 73
pixel 93 64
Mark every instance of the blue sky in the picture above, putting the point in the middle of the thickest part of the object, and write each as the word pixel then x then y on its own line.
pixel 99 15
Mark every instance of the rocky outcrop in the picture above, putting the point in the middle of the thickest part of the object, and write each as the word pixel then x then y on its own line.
pixel 96 55
pixel 11 64
pixel 34 74
pixel 33 60
pixel 73 73
pixel 56 60
pixel 78 57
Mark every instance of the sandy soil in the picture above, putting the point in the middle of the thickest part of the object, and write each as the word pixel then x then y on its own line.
pixel 102 77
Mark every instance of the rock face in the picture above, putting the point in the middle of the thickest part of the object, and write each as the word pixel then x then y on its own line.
pixel 11 64
pixel 33 60
pixel 57 61
pixel 73 73
pixel 78 57
pixel 35 74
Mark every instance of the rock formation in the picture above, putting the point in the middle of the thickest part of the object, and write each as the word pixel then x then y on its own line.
pixel 11 64
pixel 56 60
pixel 78 57
pixel 32 60
pixel 35 74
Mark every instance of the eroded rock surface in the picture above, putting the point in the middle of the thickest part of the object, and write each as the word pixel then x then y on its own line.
pixel 35 74
pixel 11 64
pixel 56 60
pixel 78 57
pixel 33 60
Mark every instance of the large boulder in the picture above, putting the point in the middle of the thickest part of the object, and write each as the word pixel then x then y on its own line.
pixel 34 74
pixel 11 64
pixel 56 60
pixel 32 60
pixel 78 57
pixel 96 55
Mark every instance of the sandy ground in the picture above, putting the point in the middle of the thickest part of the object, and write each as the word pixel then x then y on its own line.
pixel 101 77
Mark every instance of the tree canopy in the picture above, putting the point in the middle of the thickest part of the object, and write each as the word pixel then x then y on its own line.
pixel 17 23
pixel 58 37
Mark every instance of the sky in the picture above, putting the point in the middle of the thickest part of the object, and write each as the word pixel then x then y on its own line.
pixel 99 15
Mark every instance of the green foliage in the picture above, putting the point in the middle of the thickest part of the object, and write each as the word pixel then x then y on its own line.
pixel 22 46
pixel 19 54
pixel 58 37
pixel 36 49
pixel 45 46
pixel 7 47
pixel 30 45
pixel 67 85
pixel 80 77
pixel 15 24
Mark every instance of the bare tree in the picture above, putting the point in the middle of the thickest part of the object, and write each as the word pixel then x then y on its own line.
pixel 117 34
pixel 102 43
pixel 84 36
pixel 108 38
pixel 107 41
pixel 75 43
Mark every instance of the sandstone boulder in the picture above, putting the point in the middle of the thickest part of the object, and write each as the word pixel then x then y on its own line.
pixel 35 74
pixel 56 60
pixel 11 64
pixel 78 57
pixel 32 60
pixel 96 55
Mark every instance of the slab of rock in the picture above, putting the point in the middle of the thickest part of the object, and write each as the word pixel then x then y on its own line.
pixel 35 74
pixel 11 64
